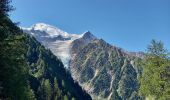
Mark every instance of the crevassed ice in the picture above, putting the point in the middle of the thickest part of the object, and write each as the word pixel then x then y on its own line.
pixel 62 50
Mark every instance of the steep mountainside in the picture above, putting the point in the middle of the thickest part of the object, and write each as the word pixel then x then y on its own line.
pixel 48 78
pixel 106 71
pixel 29 71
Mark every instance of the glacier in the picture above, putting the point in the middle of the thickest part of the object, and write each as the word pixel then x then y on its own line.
pixel 55 39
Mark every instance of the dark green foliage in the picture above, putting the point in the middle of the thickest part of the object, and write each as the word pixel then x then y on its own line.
pixel 57 91
pixel 14 69
pixel 156 48
pixel 28 71
pixel 48 74
pixel 5 7
pixel 46 89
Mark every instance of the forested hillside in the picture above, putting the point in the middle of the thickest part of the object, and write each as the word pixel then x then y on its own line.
pixel 29 71
pixel 48 78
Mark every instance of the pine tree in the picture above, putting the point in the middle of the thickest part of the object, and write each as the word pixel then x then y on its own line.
pixel 56 90
pixel 47 89
pixel 155 78
pixel 5 7
pixel 65 97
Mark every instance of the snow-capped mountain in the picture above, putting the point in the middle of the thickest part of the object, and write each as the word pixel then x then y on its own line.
pixel 99 67
pixel 58 41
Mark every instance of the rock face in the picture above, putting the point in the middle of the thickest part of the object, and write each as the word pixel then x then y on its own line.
pixel 103 70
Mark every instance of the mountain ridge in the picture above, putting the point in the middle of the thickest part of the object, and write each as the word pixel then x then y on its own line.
pixel 66 36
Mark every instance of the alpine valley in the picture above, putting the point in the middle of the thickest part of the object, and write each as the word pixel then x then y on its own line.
pixel 103 70
pixel 43 62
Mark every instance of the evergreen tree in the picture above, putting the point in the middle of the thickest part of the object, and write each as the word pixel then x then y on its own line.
pixel 5 7
pixel 65 97
pixel 14 69
pixel 155 78
pixel 57 91
pixel 47 89
pixel 27 70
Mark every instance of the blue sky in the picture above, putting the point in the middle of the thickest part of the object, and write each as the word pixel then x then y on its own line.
pixel 130 24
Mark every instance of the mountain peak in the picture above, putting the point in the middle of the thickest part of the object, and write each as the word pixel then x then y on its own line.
pixel 49 29
pixel 88 35
pixel 41 26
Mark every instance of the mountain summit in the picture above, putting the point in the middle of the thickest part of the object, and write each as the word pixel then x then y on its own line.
pixel 50 30
pixel 88 35
pixel 46 30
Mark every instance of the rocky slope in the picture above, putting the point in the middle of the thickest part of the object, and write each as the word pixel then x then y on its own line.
pixel 106 72
pixel 79 43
